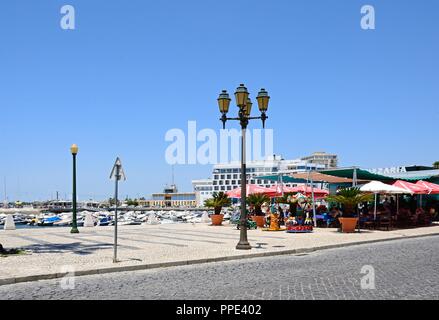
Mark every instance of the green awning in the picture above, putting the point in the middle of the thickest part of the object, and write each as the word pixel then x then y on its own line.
pixel 285 179
pixel 428 175
pixel 361 174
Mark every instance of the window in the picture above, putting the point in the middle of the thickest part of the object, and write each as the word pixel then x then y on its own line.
pixel 223 188
pixel 229 176
pixel 216 188
pixel 223 176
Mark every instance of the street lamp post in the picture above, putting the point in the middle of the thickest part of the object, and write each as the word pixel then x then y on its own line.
pixel 74 151
pixel 244 104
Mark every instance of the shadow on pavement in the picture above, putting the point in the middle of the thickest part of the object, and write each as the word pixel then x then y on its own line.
pixel 76 248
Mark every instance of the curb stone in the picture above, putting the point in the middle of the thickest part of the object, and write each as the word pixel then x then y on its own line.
pixel 8 281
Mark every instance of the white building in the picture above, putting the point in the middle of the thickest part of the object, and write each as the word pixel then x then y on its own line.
pixel 327 159
pixel 227 176
pixel 203 190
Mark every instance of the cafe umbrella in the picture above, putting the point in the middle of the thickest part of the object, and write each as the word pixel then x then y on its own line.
pixel 431 187
pixel 377 187
pixel 251 189
pixel 411 187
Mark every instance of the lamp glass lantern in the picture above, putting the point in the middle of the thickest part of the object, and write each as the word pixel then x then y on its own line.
pixel 224 102
pixel 241 95
pixel 74 149
pixel 263 99
pixel 248 107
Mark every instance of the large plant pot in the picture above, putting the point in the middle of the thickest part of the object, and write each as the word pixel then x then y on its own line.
pixel 260 221
pixel 348 225
pixel 217 219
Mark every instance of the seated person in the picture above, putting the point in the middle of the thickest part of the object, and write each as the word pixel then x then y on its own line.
pixel 333 212
pixel 366 216
pixel 433 214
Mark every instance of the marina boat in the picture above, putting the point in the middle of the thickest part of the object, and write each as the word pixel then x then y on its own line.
pixel 104 221
pixel 49 221
pixel 103 218
pixel 65 220
pixel 106 218
pixel 18 218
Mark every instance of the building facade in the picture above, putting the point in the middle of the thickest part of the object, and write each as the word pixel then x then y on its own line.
pixel 171 198
pixel 227 176
pixel 203 189
pixel 326 159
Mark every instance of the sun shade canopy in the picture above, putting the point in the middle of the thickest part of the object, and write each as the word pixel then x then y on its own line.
pixel 251 189
pixel 412 187
pixel 382 188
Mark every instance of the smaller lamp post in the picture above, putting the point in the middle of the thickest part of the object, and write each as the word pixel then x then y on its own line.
pixel 74 151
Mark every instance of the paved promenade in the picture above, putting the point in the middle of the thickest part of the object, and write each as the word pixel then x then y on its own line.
pixel 50 250
pixel 403 269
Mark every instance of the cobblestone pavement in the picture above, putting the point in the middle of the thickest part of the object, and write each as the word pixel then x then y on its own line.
pixel 48 250
pixel 404 269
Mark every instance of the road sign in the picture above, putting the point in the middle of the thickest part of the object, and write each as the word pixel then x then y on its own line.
pixel 117 171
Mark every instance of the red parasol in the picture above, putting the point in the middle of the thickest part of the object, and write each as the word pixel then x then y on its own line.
pixel 432 188
pixel 251 188
pixel 318 193
pixel 412 187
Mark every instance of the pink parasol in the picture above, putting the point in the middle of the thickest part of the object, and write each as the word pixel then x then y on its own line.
pixel 251 189
pixel 432 188
pixel 318 193
pixel 412 187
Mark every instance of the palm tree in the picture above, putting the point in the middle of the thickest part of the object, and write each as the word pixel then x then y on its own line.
pixel 436 165
pixel 257 200
pixel 218 201
pixel 350 198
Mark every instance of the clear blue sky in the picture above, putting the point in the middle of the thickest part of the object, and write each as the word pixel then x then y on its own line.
pixel 134 69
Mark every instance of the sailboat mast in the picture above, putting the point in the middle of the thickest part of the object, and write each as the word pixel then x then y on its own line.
pixel 5 201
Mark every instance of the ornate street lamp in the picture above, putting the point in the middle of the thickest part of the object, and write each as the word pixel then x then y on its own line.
pixel 74 151
pixel 245 105
pixel 263 100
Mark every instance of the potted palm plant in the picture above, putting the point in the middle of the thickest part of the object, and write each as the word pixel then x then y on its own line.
pixel 349 198
pixel 257 200
pixel 217 202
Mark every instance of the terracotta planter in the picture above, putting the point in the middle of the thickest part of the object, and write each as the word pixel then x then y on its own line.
pixel 217 219
pixel 260 221
pixel 348 224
